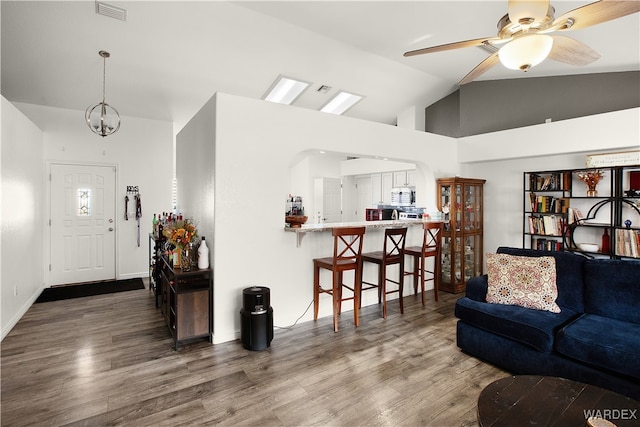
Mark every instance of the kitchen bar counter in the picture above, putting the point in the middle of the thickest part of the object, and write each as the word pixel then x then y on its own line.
pixel 309 228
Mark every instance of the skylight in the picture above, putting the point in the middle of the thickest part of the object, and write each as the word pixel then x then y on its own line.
pixel 341 103
pixel 285 90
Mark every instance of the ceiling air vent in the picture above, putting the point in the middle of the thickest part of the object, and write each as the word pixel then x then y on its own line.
pixel 111 11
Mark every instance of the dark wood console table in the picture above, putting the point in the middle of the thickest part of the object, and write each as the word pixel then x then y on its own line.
pixel 550 401
pixel 186 302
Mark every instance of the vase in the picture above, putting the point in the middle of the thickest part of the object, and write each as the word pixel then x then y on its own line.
pixel 606 242
pixel 185 258
pixel 592 193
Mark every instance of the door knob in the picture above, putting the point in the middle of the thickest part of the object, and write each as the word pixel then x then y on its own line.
pixel 110 228
pixel 110 220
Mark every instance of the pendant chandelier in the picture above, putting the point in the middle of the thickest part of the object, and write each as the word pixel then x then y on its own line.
pixel 101 118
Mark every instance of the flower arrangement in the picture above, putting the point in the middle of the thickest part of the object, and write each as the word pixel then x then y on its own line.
pixel 180 233
pixel 591 179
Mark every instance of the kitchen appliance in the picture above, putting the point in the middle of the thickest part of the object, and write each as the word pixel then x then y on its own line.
pixel 378 214
pixel 412 213
pixel 256 329
pixel 403 196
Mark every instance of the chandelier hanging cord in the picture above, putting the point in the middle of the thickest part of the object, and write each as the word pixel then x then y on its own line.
pixel 106 122
pixel 104 55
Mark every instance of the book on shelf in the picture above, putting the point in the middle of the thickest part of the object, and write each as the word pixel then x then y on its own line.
pixel 574 215
pixel 550 182
pixel 547 245
pixel 627 242
pixel 548 204
pixel 548 225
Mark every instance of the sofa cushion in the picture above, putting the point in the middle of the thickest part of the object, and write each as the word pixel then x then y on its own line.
pixel 603 342
pixel 612 289
pixel 568 275
pixel 532 327
pixel 477 288
pixel 524 281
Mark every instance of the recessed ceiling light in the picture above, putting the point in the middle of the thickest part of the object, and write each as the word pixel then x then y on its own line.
pixel 341 103
pixel 285 90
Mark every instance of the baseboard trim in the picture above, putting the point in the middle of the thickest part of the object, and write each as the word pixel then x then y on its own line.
pixel 14 321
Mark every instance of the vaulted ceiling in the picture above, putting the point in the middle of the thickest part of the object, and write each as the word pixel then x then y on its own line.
pixel 169 57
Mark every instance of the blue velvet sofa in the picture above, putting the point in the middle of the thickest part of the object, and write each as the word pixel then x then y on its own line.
pixel 595 338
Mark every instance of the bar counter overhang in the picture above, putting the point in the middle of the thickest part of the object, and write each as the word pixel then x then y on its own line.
pixel 370 225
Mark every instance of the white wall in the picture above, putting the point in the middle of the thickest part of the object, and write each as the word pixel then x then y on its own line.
pixel 502 157
pixel 367 166
pixel 142 151
pixel 256 143
pixel 412 118
pixel 195 172
pixel 22 215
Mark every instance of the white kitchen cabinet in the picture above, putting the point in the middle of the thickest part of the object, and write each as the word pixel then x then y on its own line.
pixel 404 178
pixel 399 178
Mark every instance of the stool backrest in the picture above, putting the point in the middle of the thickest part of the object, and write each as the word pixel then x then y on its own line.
pixel 347 243
pixel 432 238
pixel 394 241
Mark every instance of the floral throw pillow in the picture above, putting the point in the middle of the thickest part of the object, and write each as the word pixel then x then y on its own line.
pixel 525 281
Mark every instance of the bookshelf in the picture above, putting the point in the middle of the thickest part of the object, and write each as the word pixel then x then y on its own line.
pixel 562 213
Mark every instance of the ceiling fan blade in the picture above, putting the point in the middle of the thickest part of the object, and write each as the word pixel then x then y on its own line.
pixel 571 51
pixel 451 46
pixel 480 69
pixel 535 10
pixel 595 13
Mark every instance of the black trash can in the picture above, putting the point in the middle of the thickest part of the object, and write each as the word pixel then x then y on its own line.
pixel 256 330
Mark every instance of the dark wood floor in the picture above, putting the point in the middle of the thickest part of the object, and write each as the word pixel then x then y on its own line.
pixel 109 360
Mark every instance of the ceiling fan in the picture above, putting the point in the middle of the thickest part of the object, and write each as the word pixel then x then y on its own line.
pixel 523 39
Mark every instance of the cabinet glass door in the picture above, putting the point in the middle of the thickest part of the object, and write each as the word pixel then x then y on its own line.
pixel 470 221
pixel 446 257
pixel 472 256
pixel 445 204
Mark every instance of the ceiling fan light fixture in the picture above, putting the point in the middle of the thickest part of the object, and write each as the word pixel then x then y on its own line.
pixel 528 12
pixel 525 51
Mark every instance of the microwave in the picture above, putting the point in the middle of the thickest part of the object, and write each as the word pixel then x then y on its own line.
pixel 378 214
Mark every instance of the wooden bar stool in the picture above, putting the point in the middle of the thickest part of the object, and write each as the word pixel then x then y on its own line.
pixel 347 255
pixel 392 253
pixel 431 247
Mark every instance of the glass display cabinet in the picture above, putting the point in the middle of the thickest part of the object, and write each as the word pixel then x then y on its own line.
pixel 460 201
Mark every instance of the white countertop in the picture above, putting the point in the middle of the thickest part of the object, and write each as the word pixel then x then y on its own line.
pixel 306 228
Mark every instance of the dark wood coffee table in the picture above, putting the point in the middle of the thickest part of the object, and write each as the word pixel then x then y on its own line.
pixel 550 401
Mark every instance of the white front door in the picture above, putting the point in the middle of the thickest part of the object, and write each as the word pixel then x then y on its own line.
pixel 82 241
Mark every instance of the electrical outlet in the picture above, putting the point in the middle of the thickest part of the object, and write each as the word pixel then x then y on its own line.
pixel 15 290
